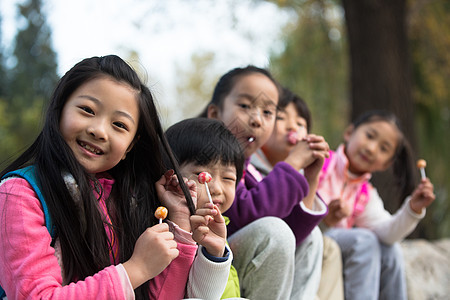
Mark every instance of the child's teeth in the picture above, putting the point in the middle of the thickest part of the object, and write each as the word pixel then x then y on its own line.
pixel 87 147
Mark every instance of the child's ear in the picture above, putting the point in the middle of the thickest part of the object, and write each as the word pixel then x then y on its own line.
pixel 212 112
pixel 348 132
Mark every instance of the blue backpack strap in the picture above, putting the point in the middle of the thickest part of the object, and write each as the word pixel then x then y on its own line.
pixel 29 174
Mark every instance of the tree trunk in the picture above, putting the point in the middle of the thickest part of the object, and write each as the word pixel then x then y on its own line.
pixel 380 70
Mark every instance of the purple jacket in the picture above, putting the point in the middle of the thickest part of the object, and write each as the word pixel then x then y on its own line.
pixel 278 194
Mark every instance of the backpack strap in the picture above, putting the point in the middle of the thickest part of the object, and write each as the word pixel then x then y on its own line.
pixel 30 175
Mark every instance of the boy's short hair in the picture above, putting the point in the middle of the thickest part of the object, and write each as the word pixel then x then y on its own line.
pixel 204 141
pixel 287 96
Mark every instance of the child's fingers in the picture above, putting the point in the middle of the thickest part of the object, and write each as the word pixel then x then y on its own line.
pixel 163 227
pixel 206 212
pixel 199 233
pixel 218 215
pixel 313 137
pixel 198 221
pixel 320 154
pixel 168 174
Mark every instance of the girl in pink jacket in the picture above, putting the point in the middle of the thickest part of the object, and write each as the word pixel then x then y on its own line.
pixel 367 234
pixel 98 164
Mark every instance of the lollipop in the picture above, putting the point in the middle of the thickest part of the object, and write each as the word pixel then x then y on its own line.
pixel 161 213
pixel 204 178
pixel 421 164
pixel 292 137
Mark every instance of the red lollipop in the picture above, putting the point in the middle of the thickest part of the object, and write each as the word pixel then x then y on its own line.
pixel 204 178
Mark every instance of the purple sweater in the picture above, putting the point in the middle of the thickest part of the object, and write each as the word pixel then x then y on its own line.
pixel 278 194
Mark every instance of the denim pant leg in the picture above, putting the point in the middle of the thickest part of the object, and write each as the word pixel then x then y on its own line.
pixel 393 281
pixel 361 257
pixel 264 252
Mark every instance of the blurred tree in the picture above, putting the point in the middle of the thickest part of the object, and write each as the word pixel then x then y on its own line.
pixel 314 64
pixel 429 32
pixel 389 69
pixel 3 83
pixel 380 72
pixel 195 85
pixel 34 75
pixel 31 78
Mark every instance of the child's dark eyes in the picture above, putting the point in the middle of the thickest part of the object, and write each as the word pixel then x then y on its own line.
pixel 269 112
pixel 243 105
pixel 87 109
pixel 120 125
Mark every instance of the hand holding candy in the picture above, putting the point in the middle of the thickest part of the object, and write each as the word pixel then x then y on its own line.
pixel 161 213
pixel 204 178
pixel 421 164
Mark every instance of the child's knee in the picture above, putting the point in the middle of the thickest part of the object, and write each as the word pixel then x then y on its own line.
pixel 365 242
pixel 278 236
pixel 392 256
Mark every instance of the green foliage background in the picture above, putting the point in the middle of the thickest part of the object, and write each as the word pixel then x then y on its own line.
pixel 27 81
pixel 315 66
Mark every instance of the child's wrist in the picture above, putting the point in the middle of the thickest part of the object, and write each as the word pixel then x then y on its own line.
pixel 216 250
pixel 136 277
pixel 417 209
pixel 181 219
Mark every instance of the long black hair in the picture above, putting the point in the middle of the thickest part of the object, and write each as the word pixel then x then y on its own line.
pixel 84 244
pixel 204 141
pixel 403 160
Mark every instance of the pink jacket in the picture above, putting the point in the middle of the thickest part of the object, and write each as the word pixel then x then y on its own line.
pixel 368 209
pixel 337 182
pixel 29 266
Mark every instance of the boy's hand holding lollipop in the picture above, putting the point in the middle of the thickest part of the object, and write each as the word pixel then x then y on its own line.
pixel 208 225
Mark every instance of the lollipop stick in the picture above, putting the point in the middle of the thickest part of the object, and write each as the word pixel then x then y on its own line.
pixel 422 173
pixel 209 194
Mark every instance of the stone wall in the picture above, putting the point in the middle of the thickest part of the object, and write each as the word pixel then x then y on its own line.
pixel 427 265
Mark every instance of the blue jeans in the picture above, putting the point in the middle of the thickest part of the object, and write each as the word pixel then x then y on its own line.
pixel 372 270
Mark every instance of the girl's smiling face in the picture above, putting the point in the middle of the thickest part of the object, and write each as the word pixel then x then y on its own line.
pixel 371 146
pixel 99 122
pixel 249 110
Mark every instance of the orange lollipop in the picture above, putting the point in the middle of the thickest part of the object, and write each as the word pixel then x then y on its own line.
pixel 161 213
pixel 421 164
